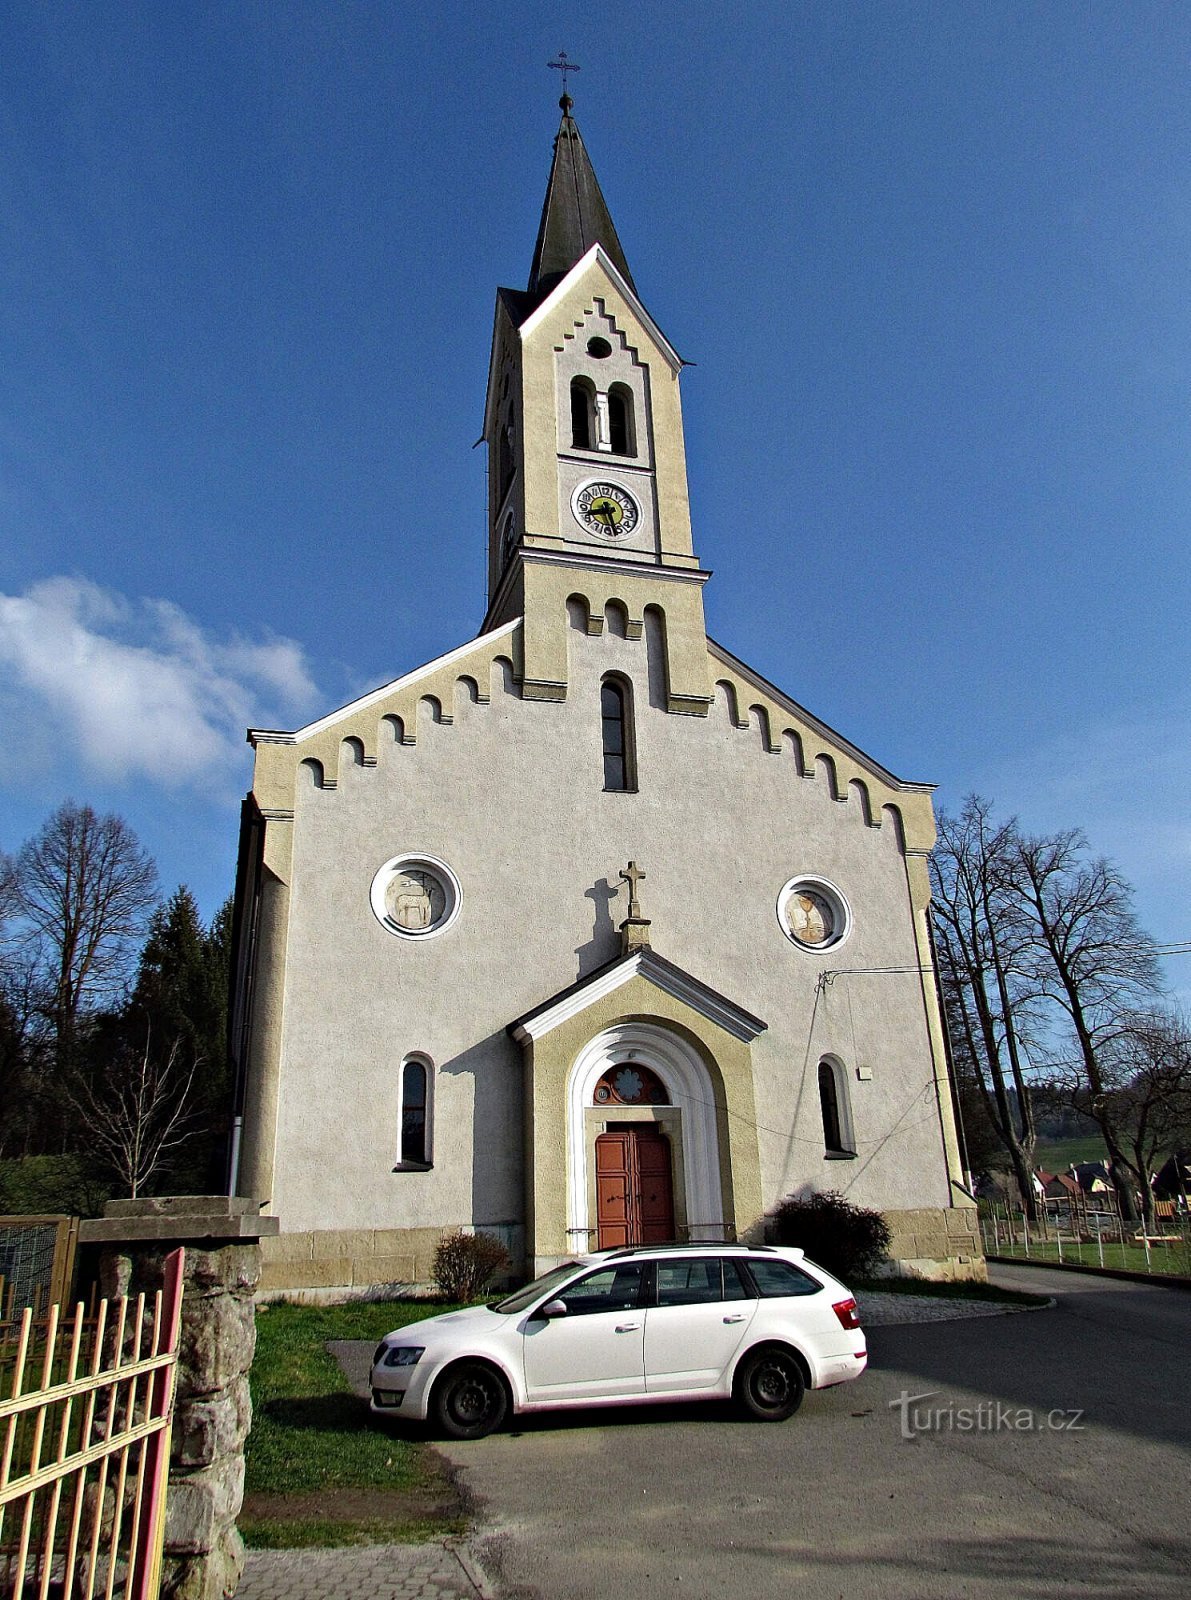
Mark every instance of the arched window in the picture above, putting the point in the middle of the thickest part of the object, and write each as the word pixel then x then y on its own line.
pixel 833 1103
pixel 616 721
pixel 582 414
pixel 620 420
pixel 506 461
pixel 630 1084
pixel 414 1113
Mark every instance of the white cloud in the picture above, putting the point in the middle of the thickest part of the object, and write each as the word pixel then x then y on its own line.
pixel 137 686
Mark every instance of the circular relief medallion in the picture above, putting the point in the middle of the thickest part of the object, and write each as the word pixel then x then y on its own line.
pixel 813 914
pixel 605 509
pixel 414 896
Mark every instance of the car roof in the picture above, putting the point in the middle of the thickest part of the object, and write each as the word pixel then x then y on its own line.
pixel 695 1247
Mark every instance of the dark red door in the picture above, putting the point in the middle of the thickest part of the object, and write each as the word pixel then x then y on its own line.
pixel 634 1187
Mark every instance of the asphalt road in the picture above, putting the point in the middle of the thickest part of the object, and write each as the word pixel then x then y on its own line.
pixel 690 1501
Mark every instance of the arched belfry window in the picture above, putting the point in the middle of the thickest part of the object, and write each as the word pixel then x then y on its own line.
pixel 833 1103
pixel 414 1113
pixel 616 726
pixel 620 420
pixel 582 414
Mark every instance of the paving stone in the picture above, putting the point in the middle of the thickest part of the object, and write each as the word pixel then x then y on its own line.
pixel 372 1572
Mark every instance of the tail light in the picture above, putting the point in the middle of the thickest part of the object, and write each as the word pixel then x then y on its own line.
pixel 847 1312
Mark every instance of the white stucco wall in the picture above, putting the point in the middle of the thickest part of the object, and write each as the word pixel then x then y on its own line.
pixel 511 797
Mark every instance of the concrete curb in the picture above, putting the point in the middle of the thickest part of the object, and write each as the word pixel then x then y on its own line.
pixel 476 1576
pixel 1167 1280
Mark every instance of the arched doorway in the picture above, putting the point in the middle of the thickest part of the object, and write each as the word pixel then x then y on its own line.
pixel 634 1171
pixel 642 1142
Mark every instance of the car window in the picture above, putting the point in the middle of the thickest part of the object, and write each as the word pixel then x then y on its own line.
pixel 533 1291
pixel 609 1289
pixel 736 1286
pixel 690 1283
pixel 775 1278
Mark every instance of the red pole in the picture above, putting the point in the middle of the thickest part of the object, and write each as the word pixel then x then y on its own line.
pixel 146 1567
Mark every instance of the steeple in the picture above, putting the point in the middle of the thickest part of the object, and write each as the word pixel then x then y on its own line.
pixel 575 215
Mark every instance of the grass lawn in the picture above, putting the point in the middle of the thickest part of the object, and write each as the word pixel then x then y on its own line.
pixel 320 1471
pixel 1172 1259
pixel 1056 1155
pixel 948 1291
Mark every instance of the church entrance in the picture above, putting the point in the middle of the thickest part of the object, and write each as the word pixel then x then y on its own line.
pixel 634 1187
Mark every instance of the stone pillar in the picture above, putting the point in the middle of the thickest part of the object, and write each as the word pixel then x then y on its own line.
pixel 204 1554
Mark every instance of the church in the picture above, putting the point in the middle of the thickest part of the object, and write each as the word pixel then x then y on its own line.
pixel 583 934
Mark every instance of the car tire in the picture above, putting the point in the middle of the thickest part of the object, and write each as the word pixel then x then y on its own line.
pixel 470 1401
pixel 770 1385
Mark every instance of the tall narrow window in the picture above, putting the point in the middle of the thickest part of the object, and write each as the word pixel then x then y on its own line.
pixel 582 430
pixel 620 420
pixel 617 728
pixel 506 461
pixel 415 1096
pixel 837 1126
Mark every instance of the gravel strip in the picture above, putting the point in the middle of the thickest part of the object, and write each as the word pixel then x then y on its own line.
pixel 879 1310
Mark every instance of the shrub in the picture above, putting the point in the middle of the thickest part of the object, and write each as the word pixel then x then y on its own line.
pixel 848 1240
pixel 465 1263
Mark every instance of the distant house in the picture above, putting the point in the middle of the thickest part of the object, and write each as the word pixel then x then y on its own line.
pixel 1093 1177
pixel 1173 1179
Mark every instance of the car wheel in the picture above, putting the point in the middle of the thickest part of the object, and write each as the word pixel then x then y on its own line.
pixel 470 1401
pixel 770 1385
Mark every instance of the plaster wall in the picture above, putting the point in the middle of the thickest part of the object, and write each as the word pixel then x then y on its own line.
pixel 510 795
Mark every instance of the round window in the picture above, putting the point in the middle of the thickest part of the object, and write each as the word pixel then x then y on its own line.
pixel 813 913
pixel 599 348
pixel 415 896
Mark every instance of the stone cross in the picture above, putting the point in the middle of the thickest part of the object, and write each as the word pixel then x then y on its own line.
pixel 633 875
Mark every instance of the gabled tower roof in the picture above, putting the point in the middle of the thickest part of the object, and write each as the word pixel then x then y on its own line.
pixel 574 216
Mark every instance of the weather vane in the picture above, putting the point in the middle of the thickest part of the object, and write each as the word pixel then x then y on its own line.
pixel 564 66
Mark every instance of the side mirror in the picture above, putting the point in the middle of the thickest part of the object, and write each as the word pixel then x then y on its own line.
pixel 553 1308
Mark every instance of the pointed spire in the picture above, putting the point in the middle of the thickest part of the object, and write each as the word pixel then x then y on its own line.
pixel 575 215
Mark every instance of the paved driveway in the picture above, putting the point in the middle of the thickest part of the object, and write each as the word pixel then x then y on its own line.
pixel 692 1502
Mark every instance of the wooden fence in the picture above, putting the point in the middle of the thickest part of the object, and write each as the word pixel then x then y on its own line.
pixel 84 1447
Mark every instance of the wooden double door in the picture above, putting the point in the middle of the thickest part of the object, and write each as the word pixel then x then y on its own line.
pixel 634 1186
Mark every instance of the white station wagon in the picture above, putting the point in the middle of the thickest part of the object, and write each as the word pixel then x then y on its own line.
pixel 759 1324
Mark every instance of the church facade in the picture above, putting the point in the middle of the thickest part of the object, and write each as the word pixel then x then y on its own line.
pixel 583 934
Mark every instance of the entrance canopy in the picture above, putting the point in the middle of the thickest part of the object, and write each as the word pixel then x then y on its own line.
pixel 643 1012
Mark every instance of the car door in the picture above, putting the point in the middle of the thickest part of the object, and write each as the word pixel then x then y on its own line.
pixel 597 1348
pixel 702 1310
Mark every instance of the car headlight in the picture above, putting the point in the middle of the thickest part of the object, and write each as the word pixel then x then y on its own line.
pixel 403 1355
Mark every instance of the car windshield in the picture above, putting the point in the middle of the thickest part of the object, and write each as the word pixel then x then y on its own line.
pixel 533 1291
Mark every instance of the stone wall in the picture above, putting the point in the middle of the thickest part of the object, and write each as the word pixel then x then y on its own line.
pixel 203 1551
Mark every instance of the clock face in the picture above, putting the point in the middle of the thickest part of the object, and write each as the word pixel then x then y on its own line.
pixel 605 509
pixel 508 539
pixel 415 899
pixel 810 917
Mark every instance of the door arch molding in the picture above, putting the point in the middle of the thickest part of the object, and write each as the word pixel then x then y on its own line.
pixel 681 1068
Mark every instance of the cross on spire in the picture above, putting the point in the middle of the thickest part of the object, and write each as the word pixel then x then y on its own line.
pixel 564 66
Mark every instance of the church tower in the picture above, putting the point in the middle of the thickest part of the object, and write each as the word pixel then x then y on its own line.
pixel 587 496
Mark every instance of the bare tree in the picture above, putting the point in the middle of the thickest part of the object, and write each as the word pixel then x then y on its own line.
pixel 138 1114
pixel 1093 963
pixel 981 937
pixel 84 889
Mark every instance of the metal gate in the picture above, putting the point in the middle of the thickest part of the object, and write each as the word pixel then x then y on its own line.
pixel 85 1446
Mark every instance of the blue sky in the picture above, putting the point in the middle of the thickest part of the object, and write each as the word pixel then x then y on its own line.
pixel 931 262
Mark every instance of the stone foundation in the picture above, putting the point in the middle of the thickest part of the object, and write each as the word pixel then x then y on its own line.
pixel 383 1263
pixel 936 1242
pixel 359 1263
